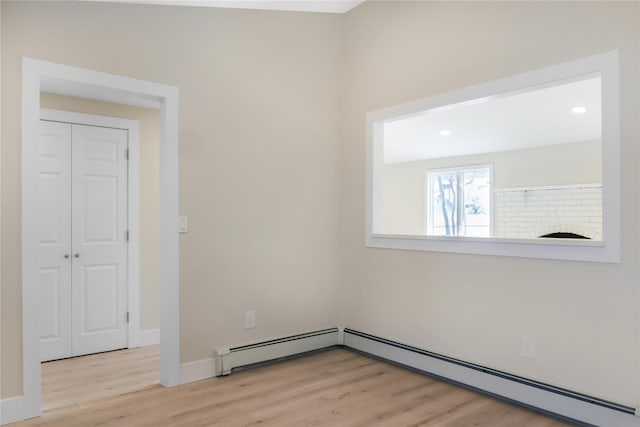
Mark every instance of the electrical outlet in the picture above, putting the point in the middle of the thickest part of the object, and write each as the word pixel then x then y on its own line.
pixel 249 319
pixel 528 346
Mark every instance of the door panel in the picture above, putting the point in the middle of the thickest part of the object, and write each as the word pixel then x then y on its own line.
pixel 99 216
pixel 100 284
pixel 52 194
pixel 50 325
pixel 100 209
pixel 54 228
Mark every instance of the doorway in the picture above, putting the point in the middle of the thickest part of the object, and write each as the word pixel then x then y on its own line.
pixel 55 78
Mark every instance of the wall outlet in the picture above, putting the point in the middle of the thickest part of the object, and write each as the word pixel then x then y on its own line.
pixel 528 346
pixel 249 319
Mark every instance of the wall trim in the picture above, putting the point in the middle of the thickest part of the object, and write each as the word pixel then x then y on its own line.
pixel 198 370
pixel 149 337
pixel 11 410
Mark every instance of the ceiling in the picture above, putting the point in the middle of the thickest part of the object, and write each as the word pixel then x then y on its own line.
pixel 529 119
pixel 326 6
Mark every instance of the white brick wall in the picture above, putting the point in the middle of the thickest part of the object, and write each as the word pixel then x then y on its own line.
pixel 533 212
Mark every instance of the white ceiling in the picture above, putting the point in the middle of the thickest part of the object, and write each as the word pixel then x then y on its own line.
pixel 326 6
pixel 534 118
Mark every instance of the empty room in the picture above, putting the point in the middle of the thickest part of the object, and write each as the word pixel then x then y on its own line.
pixel 343 213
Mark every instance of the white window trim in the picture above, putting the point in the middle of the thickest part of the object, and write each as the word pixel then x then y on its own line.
pixel 606 250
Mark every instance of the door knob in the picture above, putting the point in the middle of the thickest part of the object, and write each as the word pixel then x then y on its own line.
pixel 76 255
pixel 66 256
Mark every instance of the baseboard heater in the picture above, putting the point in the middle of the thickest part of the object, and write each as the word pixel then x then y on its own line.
pixel 574 407
pixel 228 359
pixel 537 395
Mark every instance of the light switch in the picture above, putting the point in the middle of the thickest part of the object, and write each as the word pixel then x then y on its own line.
pixel 184 224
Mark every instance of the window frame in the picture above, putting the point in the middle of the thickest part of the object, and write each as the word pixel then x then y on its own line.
pixel 429 194
pixel 605 250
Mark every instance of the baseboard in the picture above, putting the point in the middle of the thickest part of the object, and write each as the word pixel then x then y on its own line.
pixel 149 337
pixel 228 359
pixel 564 403
pixel 11 410
pixel 198 370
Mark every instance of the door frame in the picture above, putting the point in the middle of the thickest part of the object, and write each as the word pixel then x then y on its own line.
pixel 37 76
pixel 133 202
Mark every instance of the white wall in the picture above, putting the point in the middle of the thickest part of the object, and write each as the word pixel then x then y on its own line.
pixel 584 316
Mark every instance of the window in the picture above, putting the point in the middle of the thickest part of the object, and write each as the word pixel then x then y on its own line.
pixel 459 202
pixel 553 131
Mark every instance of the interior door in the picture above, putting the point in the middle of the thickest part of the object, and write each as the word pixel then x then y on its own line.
pixel 54 230
pixel 82 255
pixel 99 239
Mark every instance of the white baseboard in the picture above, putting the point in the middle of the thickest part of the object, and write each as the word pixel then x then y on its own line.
pixel 198 370
pixel 11 410
pixel 149 337
pixel 561 402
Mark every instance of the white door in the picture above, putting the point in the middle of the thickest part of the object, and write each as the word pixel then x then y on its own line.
pixel 54 231
pixel 93 300
pixel 99 239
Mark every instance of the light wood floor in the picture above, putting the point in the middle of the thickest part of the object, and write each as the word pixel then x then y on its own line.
pixel 333 388
pixel 79 380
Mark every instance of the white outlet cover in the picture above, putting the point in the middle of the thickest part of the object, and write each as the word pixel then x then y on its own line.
pixel 184 224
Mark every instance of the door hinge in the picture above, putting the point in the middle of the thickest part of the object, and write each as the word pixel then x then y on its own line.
pixel 127 317
pixel 127 235
pixel 126 154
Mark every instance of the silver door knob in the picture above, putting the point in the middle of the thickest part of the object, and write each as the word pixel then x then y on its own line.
pixel 76 255
pixel 66 256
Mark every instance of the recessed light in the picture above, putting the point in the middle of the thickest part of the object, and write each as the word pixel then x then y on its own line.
pixel 578 110
pixel 445 133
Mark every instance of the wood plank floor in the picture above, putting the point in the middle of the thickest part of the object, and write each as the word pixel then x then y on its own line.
pixel 332 388
pixel 75 381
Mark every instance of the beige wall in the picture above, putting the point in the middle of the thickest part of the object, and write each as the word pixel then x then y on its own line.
pixel 258 146
pixel 149 185
pixel 584 316
pixel 272 109
pixel 561 164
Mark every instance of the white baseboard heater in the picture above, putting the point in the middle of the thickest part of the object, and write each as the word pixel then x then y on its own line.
pixel 227 359
pixel 575 407
pixel 586 410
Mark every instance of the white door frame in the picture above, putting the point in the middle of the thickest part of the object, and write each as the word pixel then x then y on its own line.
pixel 133 203
pixel 46 76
